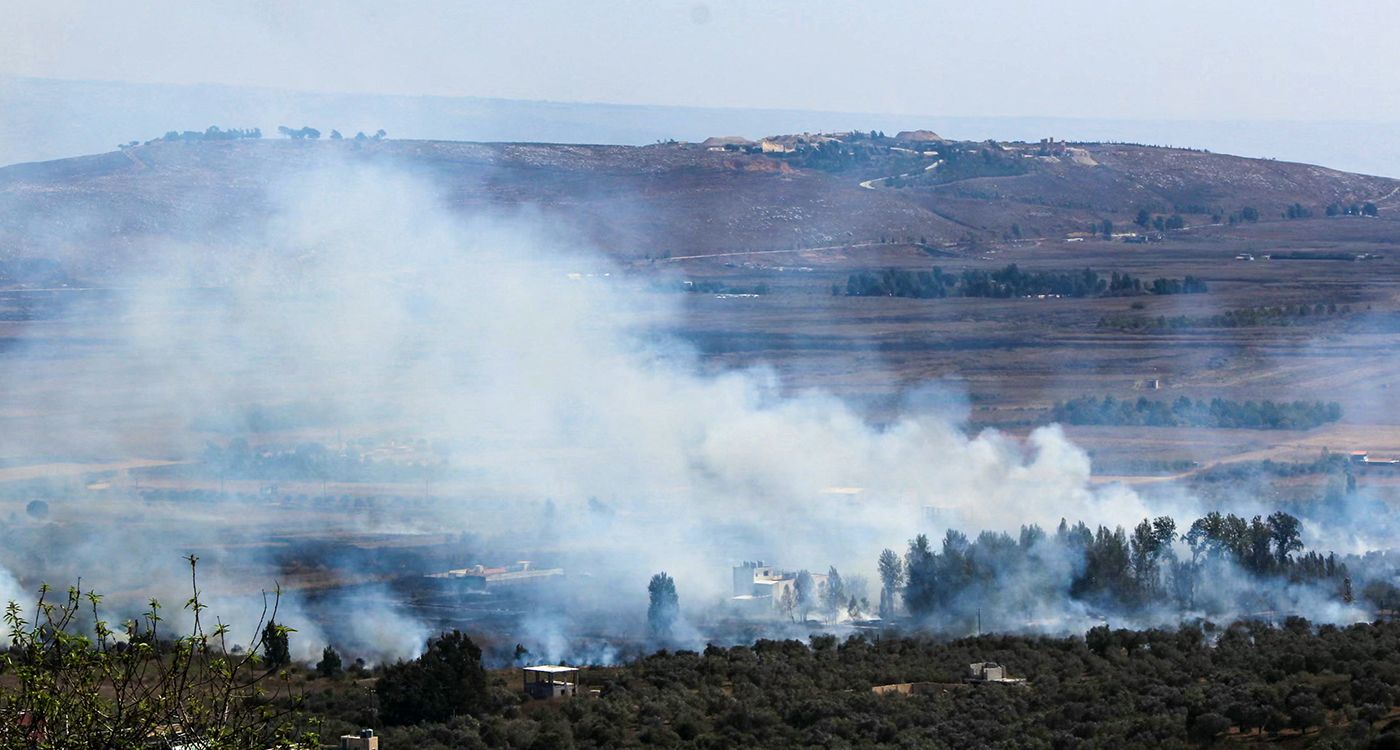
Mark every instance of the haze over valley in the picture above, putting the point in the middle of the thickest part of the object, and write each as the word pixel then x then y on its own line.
pixel 460 420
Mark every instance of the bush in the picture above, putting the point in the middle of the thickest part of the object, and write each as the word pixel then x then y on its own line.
pixel 446 681
pixel 330 664
pixel 76 683
pixel 1206 727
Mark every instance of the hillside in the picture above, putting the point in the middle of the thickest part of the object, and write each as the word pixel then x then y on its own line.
pixel 90 213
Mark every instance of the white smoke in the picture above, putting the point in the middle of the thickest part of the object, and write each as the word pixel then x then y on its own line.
pixel 537 361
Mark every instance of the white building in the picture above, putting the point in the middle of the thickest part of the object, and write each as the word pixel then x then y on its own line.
pixel 759 589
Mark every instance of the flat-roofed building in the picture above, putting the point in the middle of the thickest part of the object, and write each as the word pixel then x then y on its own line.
pixel 550 681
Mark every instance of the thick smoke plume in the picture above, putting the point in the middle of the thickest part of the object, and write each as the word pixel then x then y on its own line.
pixel 535 367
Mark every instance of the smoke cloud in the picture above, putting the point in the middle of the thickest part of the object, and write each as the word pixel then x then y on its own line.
pixel 370 308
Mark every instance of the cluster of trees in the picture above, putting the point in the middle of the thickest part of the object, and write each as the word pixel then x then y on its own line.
pixel 303 132
pixel 213 133
pixel 1185 412
pixel 1188 285
pixel 1186 686
pixel 838 156
pixel 1145 220
pixel 1352 209
pixel 1009 282
pixel 306 132
pixel 829 597
pixel 1235 565
pixel 1236 471
pixel 446 681
pixel 1248 317
pixel 1299 211
pixel 963 161
pixel 1195 685
pixel 1248 213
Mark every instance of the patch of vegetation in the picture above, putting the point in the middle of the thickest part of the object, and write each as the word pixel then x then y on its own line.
pixel 1275 315
pixel 1323 255
pixel 1240 471
pixel 853 154
pixel 70 680
pixel 446 681
pixel 213 133
pixel 1143 466
pixel 1009 282
pixel 1352 209
pixel 1247 214
pixel 1196 685
pixel 1236 565
pixel 1161 224
pixel 1184 412
pixel 965 161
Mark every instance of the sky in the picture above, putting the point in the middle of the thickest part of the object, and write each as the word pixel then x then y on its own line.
pixel 1190 60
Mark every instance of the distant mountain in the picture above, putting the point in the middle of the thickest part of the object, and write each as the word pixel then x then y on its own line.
pixel 49 119
pixel 94 214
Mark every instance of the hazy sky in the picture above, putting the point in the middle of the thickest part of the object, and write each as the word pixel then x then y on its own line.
pixel 1188 59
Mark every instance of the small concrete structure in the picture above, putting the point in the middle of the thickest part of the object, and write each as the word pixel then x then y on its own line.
pixel 987 671
pixel 990 671
pixel 549 681
pixel 365 740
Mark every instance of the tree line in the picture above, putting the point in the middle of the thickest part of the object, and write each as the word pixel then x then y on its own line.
pixel 1009 282
pixel 1352 209
pixel 70 682
pixel 215 133
pixel 1323 255
pixel 1193 685
pixel 1248 317
pixel 1173 222
pixel 1235 565
pixel 1185 412
pixel 306 132
pixel 212 133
